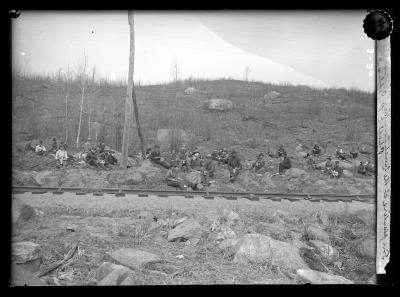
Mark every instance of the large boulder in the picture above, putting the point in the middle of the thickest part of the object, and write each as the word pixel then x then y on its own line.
pixel 317 277
pixel 23 277
pixel 193 177
pixel 275 230
pixel 189 229
pixel 110 274
pixel 190 91
pixel 21 212
pixel 27 255
pixel 271 95
pixel 218 104
pixel 47 178
pixel 260 249
pixel 165 138
pixel 21 178
pixel 133 258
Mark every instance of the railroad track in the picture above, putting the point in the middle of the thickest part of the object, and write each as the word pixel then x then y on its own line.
pixel 252 196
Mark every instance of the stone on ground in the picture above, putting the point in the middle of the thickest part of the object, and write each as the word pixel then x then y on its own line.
pixel 224 232
pixel 47 178
pixel 325 250
pixel 271 95
pixel 21 212
pixel 316 233
pixel 133 258
pixel 312 258
pixel 255 248
pixel 115 276
pixel 107 267
pixel 23 277
pixel 317 277
pixel 25 251
pixel 230 216
pixel 190 91
pixel 218 104
pixel 21 178
pixel 275 230
pixel 347 173
pixel 189 229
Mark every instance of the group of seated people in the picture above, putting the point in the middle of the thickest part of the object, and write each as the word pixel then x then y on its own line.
pixel 98 155
pixel 58 150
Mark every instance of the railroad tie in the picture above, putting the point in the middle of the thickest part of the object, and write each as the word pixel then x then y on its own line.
pixel 58 192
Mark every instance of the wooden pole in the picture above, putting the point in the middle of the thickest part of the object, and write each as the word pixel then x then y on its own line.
pixel 135 106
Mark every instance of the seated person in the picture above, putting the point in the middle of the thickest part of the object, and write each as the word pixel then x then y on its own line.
pixel 316 150
pixel 148 152
pixel 87 146
pixel 311 163
pixel 173 180
pixel 196 162
pixel 329 164
pixel 370 168
pixel 353 153
pixel 101 147
pixel 209 167
pixel 361 169
pixel 337 171
pixel 284 164
pixel 155 157
pixel 40 148
pixel 259 163
pixel 91 157
pixel 223 156
pixel 281 151
pixel 234 166
pixel 214 155
pixel 54 146
pixel 62 155
pixel 340 153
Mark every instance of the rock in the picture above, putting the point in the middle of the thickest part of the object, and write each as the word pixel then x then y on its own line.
pixel 115 277
pixel 338 264
pixel 193 177
pixel 295 172
pixel 177 222
pixel 218 104
pixel 21 178
pixel 71 227
pixel 25 251
pixel 47 178
pixel 317 277
pixel 190 91
pixel 224 233
pixel 367 248
pixel 312 259
pixel 133 258
pixel 107 267
pixel 325 250
pixel 129 280
pixel 255 248
pixel 228 244
pixel 128 177
pixel 22 277
pixel 189 229
pixel 230 216
pixel 275 230
pixel 21 212
pixel 347 173
pixel 316 233
pixel 271 95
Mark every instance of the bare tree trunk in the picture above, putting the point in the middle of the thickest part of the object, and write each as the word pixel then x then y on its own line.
pixel 66 118
pixel 80 117
pixel 90 119
pixel 128 107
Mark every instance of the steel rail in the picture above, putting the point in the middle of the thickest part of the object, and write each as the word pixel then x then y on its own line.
pixel 206 194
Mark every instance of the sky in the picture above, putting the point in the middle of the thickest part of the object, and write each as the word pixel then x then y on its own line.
pixel 316 48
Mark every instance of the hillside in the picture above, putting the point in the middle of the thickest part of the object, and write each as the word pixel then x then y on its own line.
pixel 299 114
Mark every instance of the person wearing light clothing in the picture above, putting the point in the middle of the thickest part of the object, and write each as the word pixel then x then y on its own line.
pixel 40 148
pixel 62 155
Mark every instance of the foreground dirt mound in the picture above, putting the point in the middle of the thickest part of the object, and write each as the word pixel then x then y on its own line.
pixel 21 178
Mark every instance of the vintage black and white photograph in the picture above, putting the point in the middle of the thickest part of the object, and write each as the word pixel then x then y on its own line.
pixel 193 147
